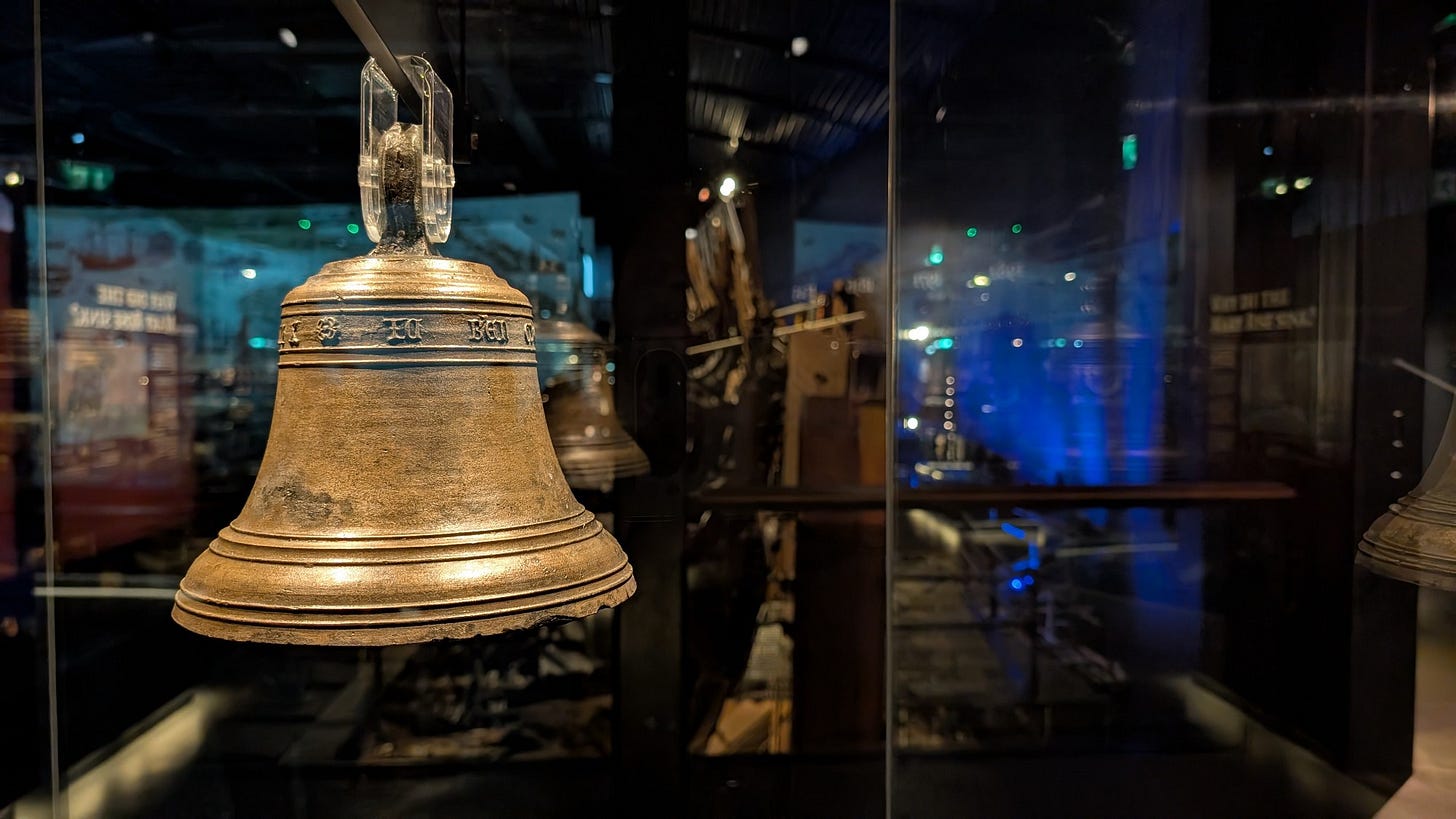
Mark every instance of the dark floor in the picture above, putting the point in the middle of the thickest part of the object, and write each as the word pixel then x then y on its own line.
pixel 270 749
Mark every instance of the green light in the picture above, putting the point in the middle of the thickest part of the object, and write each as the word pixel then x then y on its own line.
pixel 352 228
pixel 1016 228
pixel 1446 22
pixel 937 255
pixel 970 233
pixel 304 224
pixel 1129 152
pixel 945 343
pixel 1061 342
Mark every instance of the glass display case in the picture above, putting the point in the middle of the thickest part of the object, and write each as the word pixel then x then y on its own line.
pixel 706 408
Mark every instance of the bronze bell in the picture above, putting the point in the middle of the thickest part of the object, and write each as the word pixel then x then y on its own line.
pixel 408 491
pixel 1416 540
pixel 593 448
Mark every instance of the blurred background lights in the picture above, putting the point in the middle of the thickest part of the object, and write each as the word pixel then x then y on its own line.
pixel 799 46
pixel 727 186
pixel 78 138
pixel 13 178
pixel 1070 276
pixel 918 333
pixel 982 280
pixel 287 37
pixel 249 273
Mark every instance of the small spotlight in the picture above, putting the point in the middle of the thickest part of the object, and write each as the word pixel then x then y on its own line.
pixel 727 187
pixel 1303 182
pixel 1070 276
pixel 1016 342
pixel 1016 228
pixel 704 194
pixel 690 234
pixel 13 178
pixel 78 138
pixel 912 423
pixel 1281 189
pixel 1268 150
pixel 799 46
pixel 249 273
pixel 918 333
pixel 981 280
pixel 352 227
pixel 287 37
pixel 304 224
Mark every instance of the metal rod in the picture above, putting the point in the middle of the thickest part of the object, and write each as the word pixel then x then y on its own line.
pixel 779 332
pixel 791 309
pixel 373 43
pixel 819 324
pixel 1429 378
pixel 710 346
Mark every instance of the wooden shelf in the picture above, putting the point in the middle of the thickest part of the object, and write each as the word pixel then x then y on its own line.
pixel 974 497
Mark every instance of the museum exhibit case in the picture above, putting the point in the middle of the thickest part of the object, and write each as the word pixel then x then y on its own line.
pixel 721 408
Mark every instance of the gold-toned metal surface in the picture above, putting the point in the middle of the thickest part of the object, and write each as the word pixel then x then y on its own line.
pixel 409 490
pixel 591 444
pixel 1416 540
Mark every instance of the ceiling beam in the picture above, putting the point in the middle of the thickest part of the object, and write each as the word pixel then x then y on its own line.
pixel 780 46
pixel 779 104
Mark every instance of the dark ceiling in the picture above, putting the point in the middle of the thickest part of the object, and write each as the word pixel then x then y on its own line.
pixel 208 104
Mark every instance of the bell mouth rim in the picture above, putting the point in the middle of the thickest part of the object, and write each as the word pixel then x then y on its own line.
pixel 1388 562
pixel 630 468
pixel 457 621
pixel 570 442
pixel 369 612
